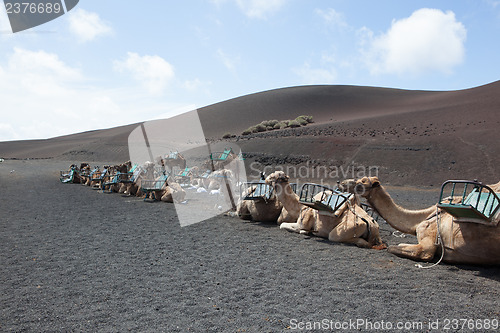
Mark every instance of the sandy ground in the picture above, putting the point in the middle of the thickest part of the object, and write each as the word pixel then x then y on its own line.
pixel 75 259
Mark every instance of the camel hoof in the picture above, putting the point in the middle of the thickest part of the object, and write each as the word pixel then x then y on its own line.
pixel 379 247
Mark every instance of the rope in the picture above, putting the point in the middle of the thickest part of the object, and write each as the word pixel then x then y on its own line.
pixel 353 210
pixel 439 240
pixel 399 234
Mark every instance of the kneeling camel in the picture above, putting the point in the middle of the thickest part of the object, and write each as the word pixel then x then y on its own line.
pixel 349 224
pixel 463 243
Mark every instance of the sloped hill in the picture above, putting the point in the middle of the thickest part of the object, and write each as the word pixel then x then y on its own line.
pixel 412 137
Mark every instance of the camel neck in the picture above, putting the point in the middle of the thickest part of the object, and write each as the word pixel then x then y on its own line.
pixel 286 196
pixel 398 217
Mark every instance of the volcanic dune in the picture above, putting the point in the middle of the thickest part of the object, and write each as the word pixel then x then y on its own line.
pixel 410 137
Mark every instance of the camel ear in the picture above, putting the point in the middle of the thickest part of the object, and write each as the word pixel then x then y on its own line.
pixel 375 182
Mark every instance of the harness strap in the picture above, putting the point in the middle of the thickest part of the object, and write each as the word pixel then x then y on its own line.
pixel 368 229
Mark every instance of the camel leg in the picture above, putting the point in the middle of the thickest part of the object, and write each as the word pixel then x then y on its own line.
pixel 284 216
pixel 375 240
pixel 341 237
pixel 156 196
pixel 293 227
pixel 426 247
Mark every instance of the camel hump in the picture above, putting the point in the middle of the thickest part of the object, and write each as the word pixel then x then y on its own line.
pixel 257 191
pixel 323 198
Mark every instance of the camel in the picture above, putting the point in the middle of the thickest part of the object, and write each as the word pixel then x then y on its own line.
pixel 146 174
pixel 96 179
pixel 495 187
pixel 173 192
pixel 463 243
pixel 73 175
pixel 349 224
pixel 170 192
pixel 121 170
pixel 218 179
pixel 174 160
pixel 291 206
pixel 85 173
pixel 202 180
pixel 259 210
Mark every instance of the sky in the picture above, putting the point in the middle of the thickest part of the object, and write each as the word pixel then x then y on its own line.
pixel 116 62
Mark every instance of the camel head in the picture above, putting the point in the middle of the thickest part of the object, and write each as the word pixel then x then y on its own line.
pixel 207 165
pixel 157 160
pixel 495 187
pixel 277 177
pixel 361 186
pixel 122 168
pixel 149 168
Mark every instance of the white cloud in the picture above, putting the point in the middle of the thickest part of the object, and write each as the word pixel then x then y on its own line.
pixel 153 72
pixel 87 26
pixel 27 61
pixel 43 97
pixel 332 17
pixel 229 61
pixel 429 40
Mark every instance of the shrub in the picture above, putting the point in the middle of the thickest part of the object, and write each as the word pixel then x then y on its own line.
pixel 301 121
pixel 227 135
pixel 269 125
pixel 307 119
pixel 260 128
pixel 281 125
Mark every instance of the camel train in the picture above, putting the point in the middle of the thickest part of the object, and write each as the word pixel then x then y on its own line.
pixel 163 180
pixel 462 228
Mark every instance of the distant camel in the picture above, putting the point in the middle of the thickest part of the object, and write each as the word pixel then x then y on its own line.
pixel 464 243
pixel 146 174
pixel 349 224
pixel 174 160
pixel 173 192
pixel 121 172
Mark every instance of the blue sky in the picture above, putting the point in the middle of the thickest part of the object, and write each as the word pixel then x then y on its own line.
pixel 110 63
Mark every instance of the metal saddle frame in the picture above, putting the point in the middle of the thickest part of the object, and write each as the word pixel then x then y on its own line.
pixel 330 201
pixel 470 201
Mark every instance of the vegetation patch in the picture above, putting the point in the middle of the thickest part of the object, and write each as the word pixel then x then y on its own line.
pixel 270 125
